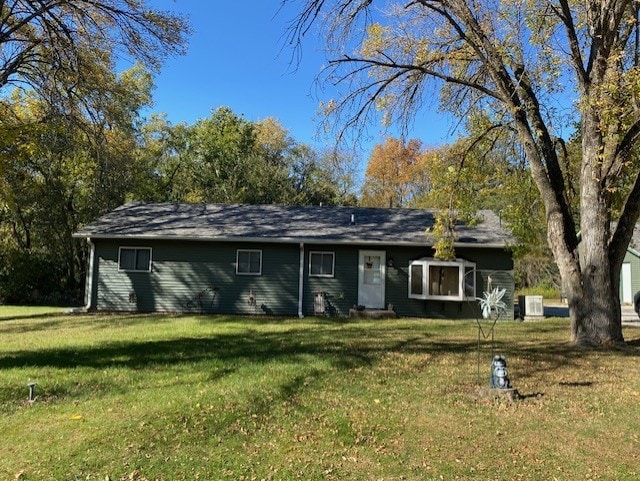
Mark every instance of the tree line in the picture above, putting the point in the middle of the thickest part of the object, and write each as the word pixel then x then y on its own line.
pixel 57 174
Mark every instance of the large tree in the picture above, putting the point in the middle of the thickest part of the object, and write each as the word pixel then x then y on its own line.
pixel 486 169
pixel 69 126
pixel 518 60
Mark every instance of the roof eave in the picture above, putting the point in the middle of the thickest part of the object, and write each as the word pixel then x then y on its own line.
pixel 631 250
pixel 283 240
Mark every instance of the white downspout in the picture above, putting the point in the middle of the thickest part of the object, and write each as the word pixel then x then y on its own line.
pixel 89 277
pixel 301 282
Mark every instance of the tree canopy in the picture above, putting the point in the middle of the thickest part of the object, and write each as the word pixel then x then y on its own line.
pixel 70 127
pixel 48 41
pixel 59 171
pixel 226 158
pixel 56 172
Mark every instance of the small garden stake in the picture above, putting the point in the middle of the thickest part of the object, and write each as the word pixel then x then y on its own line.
pixel 32 392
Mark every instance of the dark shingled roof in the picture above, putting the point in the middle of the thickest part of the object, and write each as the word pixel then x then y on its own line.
pixel 271 223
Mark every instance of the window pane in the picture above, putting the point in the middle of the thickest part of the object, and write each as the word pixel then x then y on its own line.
pixel 135 259
pixel 372 274
pixel 243 262
pixel 316 264
pixel 321 264
pixel 451 281
pixel 143 259
pixel 127 259
pixel 254 266
pixel 444 281
pixel 434 280
pixel 416 280
pixel 327 264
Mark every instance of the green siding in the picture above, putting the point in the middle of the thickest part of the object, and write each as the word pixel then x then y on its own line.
pixel 341 290
pixel 200 277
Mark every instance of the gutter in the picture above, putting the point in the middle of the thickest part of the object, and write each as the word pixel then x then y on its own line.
pixel 89 276
pixel 301 282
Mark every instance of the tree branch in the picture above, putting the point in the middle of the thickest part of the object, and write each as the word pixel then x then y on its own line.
pixel 405 68
pixel 576 55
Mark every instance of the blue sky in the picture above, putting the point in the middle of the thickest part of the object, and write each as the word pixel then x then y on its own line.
pixel 237 57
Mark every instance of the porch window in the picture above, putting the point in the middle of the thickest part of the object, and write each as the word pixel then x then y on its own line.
pixel 134 259
pixel 321 264
pixel 442 280
pixel 249 262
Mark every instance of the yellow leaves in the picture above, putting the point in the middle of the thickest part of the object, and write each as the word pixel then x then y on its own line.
pixel 422 52
pixel 443 232
pixel 616 99
pixel 272 135
pixel 383 102
pixel 375 41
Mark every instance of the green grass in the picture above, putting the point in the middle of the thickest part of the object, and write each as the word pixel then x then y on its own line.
pixel 15 312
pixel 124 397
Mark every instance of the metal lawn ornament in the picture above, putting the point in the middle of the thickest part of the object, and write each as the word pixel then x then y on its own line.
pixel 492 307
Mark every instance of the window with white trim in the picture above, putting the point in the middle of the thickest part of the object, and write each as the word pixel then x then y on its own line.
pixel 134 259
pixel 321 264
pixel 442 280
pixel 249 262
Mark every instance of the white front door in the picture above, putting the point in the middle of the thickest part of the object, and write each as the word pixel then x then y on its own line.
pixel 371 279
pixel 626 283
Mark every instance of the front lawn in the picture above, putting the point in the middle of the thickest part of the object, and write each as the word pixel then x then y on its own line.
pixel 150 397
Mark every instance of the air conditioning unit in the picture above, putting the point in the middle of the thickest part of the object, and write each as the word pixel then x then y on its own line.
pixel 531 307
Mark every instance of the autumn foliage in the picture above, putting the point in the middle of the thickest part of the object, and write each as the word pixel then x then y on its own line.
pixel 395 174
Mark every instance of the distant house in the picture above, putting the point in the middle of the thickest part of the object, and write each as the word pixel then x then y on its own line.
pixel 630 272
pixel 266 259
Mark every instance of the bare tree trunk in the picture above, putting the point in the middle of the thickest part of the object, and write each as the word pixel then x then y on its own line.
pixel 595 315
pixel 593 285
